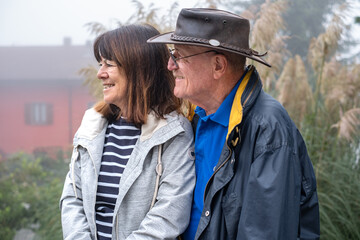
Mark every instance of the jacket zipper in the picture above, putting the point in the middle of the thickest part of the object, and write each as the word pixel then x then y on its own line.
pixel 216 170
pixel 117 224
pixel 72 172
pixel 92 160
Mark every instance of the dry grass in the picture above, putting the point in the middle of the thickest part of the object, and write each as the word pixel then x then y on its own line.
pixel 163 22
pixel 322 47
pixel 340 90
pixel 267 25
pixel 348 125
pixel 341 85
pixel 151 15
pixel 294 90
pixel 92 82
pixel 265 36
pixel 96 28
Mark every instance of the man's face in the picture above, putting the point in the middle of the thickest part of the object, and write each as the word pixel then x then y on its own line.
pixel 193 75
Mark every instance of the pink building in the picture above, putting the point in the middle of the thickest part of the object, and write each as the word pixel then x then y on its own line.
pixel 42 96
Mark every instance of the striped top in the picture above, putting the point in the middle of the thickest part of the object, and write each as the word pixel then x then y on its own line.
pixel 120 140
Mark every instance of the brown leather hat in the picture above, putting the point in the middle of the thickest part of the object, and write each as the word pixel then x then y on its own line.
pixel 211 28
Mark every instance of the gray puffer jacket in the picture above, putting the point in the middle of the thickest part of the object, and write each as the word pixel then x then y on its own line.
pixel 133 218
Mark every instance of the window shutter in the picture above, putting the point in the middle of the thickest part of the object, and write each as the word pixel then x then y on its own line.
pixel 27 113
pixel 49 112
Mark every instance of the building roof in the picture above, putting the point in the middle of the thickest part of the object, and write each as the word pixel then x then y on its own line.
pixel 45 63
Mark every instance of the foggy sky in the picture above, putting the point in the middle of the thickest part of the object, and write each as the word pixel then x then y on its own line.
pixel 47 22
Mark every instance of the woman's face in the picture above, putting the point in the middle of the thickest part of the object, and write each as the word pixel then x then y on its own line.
pixel 114 83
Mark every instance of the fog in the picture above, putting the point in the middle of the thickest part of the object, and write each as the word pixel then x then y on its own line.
pixel 47 22
pixel 43 45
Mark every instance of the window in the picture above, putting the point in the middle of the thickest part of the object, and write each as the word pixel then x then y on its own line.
pixel 38 114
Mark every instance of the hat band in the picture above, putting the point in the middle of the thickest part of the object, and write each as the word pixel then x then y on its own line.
pixel 249 52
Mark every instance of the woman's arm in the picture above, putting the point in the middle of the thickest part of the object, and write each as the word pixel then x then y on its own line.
pixel 73 219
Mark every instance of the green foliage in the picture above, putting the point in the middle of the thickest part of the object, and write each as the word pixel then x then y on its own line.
pixel 338 176
pixel 18 191
pixel 48 214
pixel 29 196
pixel 339 195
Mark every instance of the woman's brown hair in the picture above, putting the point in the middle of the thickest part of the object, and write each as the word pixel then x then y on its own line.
pixel 150 84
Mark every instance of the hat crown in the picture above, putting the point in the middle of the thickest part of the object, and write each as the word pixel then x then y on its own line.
pixel 212 28
pixel 207 24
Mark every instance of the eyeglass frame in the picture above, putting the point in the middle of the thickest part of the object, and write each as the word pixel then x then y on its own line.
pixel 192 55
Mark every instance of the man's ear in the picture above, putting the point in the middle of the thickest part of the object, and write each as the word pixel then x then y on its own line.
pixel 220 65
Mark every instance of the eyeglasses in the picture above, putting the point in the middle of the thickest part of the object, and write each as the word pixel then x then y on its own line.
pixel 178 58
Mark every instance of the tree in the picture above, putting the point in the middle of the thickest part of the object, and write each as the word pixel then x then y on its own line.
pixel 303 20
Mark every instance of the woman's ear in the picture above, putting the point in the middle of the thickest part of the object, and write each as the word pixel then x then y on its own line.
pixel 220 65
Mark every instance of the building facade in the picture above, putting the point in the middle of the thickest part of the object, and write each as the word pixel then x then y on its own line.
pixel 42 96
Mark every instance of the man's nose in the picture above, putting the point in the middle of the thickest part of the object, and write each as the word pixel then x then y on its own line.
pixel 172 65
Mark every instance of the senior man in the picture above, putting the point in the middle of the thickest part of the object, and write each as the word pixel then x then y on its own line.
pixel 254 177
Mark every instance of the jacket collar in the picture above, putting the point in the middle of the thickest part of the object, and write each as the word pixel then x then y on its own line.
pixel 93 123
pixel 246 94
pixel 152 124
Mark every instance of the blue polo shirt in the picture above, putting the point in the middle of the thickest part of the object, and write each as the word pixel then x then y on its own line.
pixel 210 137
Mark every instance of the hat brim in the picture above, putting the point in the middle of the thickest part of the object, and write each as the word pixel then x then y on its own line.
pixel 166 38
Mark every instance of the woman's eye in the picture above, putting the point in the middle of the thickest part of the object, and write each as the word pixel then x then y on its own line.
pixel 109 64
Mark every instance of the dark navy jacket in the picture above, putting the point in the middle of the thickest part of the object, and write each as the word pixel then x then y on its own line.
pixel 264 184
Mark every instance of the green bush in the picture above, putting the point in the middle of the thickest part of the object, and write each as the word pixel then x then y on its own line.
pixel 29 196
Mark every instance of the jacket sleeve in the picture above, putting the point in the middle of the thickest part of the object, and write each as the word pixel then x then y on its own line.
pixel 73 219
pixel 170 215
pixel 309 203
pixel 271 206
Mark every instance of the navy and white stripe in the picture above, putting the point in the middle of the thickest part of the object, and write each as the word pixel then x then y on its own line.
pixel 120 140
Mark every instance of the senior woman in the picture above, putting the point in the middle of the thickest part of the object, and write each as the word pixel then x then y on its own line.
pixel 112 181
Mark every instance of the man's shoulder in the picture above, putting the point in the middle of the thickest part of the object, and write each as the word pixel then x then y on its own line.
pixel 267 108
pixel 269 117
